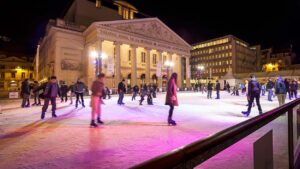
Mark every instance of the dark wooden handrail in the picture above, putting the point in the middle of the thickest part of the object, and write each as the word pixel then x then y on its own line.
pixel 195 153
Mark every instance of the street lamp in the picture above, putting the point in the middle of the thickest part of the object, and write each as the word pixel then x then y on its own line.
pixel 98 57
pixel 168 64
pixel 200 69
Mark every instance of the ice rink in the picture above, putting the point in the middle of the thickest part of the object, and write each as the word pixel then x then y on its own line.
pixel 131 133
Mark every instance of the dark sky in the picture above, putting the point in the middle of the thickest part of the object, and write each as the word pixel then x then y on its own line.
pixel 265 22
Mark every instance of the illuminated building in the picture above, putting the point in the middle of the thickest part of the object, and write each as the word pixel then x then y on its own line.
pixel 219 55
pixel 112 36
pixel 13 70
pixel 276 60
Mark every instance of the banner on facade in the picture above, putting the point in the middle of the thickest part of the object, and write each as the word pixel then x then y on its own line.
pixel 158 69
pixel 111 66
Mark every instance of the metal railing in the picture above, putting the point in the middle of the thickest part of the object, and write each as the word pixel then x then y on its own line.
pixel 198 152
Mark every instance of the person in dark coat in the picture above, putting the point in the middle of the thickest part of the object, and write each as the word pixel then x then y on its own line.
pixel 294 88
pixel 50 93
pixel 72 92
pixel 64 91
pixel 270 86
pixel 107 92
pixel 218 88
pixel 25 93
pixel 144 91
pixel 254 93
pixel 171 97
pixel 35 90
pixel 287 85
pixel 228 87
pixel 280 90
pixel 79 88
pixel 121 91
pixel 135 91
pixel 209 90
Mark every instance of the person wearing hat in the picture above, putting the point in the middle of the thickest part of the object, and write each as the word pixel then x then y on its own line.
pixel 253 93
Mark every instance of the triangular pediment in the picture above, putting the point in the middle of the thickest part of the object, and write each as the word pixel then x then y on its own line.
pixel 11 59
pixel 149 27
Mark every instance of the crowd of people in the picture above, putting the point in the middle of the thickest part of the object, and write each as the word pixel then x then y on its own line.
pixel 49 91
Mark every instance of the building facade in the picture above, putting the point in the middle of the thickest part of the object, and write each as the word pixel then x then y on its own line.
pixel 276 60
pixel 113 42
pixel 13 70
pixel 214 58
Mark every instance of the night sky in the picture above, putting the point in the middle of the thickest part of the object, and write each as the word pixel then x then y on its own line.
pixel 269 23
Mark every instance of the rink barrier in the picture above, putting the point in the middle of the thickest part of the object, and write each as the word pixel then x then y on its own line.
pixel 194 154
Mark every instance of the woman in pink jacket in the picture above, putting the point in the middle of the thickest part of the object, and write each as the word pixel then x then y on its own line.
pixel 171 97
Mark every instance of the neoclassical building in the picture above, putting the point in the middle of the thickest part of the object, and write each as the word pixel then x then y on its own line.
pixel 130 48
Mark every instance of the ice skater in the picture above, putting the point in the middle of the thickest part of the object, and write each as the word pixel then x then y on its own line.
pixel 121 91
pixel 218 87
pixel 25 93
pixel 96 100
pixel 254 93
pixel 50 94
pixel 64 92
pixel 143 93
pixel 280 90
pixel 270 86
pixel 135 91
pixel 209 90
pixel 171 97
pixel 79 90
pixel 35 91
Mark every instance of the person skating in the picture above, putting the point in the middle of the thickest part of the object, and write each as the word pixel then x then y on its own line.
pixel 294 88
pixel 228 87
pixel 96 100
pixel 135 91
pixel 171 97
pixel 263 89
pixel 72 93
pixel 107 92
pixel 64 91
pixel 50 94
pixel 209 90
pixel 121 91
pixel 270 86
pixel 79 90
pixel 149 96
pixel 144 91
pixel 218 88
pixel 254 93
pixel 25 93
pixel 288 90
pixel 35 91
pixel 280 90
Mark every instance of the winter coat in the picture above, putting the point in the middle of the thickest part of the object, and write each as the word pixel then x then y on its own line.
pixel 253 88
pixel 97 88
pixel 171 96
pixel 218 86
pixel 121 88
pixel 294 86
pixel 136 88
pixel 287 85
pixel 25 88
pixel 64 89
pixel 280 87
pixel 270 85
pixel 209 86
pixel 79 87
pixel 51 90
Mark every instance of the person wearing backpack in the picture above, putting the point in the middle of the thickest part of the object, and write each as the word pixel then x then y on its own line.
pixel 280 90
pixel 253 92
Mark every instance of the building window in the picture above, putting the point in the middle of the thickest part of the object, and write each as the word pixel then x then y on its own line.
pixel 31 76
pixel 23 75
pixel 129 55
pixel 1 85
pixel 154 58
pixel 13 75
pixel 143 57
pixel 2 76
pixel 2 66
pixel 31 67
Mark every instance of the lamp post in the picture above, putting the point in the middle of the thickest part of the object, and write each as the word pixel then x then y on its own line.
pixel 168 64
pixel 200 69
pixel 98 58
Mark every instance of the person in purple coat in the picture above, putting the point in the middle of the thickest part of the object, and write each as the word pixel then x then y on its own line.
pixel 171 97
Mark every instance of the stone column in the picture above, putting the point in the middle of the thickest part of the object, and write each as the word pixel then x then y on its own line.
pixel 187 65
pixel 160 63
pixel 133 66
pixel 117 63
pixel 179 71
pixel 148 65
pixel 98 59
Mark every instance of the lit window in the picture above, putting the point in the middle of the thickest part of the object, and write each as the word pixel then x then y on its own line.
pixel 23 75
pixel 143 57
pixel 13 75
pixel 2 75
pixel 129 55
pixel 154 59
